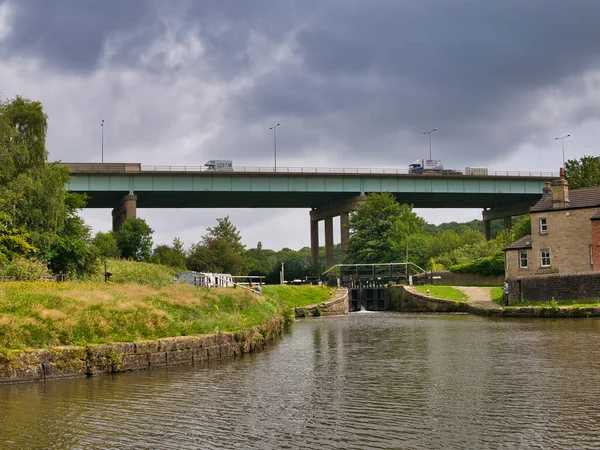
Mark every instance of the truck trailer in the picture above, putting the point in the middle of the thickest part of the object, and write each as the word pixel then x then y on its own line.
pixel 426 166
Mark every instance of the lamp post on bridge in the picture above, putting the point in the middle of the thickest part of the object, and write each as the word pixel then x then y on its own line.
pixel 562 142
pixel 274 128
pixel 102 128
pixel 429 133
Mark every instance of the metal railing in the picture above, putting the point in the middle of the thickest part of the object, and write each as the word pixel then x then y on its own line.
pixel 130 168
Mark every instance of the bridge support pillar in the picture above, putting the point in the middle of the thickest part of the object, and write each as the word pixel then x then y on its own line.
pixel 507 223
pixel 329 241
pixel 327 213
pixel 487 231
pixel 125 210
pixel 344 232
pixel 314 241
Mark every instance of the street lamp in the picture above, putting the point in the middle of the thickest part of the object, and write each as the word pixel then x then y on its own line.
pixel 562 141
pixel 275 143
pixel 102 127
pixel 429 133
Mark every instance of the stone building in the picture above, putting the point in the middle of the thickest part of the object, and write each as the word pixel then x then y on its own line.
pixel 565 234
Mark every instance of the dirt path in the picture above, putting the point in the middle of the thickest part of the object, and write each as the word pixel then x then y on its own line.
pixel 480 295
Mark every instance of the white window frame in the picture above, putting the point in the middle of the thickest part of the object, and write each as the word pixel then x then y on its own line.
pixel 542 257
pixel 543 225
pixel 521 258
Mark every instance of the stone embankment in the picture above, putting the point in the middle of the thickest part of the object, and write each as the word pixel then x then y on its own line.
pixel 79 361
pixel 407 299
pixel 338 306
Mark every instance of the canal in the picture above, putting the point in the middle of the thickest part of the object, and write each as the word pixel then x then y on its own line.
pixel 370 380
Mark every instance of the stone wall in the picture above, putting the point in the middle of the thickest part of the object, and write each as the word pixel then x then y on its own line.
pixel 404 300
pixel 338 306
pixel 542 288
pixel 68 362
pixel 459 279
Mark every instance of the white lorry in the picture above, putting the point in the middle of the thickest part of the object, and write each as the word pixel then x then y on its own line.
pixel 219 165
pixel 426 166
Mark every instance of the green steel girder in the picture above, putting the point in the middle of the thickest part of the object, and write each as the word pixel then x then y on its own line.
pixel 233 190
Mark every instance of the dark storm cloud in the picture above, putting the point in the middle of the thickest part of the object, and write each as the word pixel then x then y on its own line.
pixel 69 34
pixel 364 73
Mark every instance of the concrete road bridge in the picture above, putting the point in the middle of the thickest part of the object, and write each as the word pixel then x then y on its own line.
pixel 326 192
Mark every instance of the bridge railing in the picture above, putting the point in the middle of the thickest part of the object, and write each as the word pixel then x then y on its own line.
pixel 344 171
pixel 102 168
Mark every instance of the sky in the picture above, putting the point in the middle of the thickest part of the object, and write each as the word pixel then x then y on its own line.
pixel 353 83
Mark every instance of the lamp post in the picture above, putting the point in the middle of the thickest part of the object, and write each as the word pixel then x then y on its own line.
pixel 102 127
pixel 429 133
pixel 274 128
pixel 562 142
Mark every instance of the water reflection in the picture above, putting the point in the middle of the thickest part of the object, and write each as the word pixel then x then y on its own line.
pixel 366 381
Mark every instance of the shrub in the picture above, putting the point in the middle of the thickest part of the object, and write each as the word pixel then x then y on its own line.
pixel 488 265
pixel 24 269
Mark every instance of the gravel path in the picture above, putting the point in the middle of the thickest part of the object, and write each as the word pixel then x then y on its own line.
pixel 480 295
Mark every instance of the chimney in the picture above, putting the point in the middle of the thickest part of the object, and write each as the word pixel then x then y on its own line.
pixel 560 191
pixel 546 190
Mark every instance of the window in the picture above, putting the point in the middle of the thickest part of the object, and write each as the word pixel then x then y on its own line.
pixel 545 257
pixel 591 254
pixel 543 226
pixel 506 261
pixel 523 259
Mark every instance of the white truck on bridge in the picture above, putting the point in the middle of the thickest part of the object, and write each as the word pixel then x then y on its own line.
pixel 426 166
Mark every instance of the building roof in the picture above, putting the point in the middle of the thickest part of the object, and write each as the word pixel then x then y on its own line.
pixel 520 244
pixel 596 216
pixel 578 198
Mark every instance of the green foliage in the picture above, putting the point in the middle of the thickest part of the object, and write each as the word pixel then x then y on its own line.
pixel 521 228
pixel 220 250
pixel 225 231
pixel 216 255
pixel 488 265
pixel 134 239
pixel 379 229
pixel 106 245
pixel 168 255
pixel 583 173
pixel 24 269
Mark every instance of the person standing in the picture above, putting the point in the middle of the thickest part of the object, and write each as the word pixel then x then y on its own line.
pixel 505 293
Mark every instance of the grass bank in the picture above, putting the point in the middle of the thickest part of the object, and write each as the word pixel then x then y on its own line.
pixel 444 292
pixel 45 314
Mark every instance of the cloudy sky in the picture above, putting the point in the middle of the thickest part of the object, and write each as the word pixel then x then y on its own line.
pixel 354 83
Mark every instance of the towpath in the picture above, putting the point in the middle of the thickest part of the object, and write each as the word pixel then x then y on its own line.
pixel 481 296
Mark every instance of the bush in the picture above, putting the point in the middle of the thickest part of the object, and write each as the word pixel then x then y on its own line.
pixel 488 265
pixel 24 269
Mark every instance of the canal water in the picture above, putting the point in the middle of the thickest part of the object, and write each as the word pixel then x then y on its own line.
pixel 370 380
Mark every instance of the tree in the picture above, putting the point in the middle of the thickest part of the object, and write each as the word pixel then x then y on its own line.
pixel 71 252
pixel 225 231
pixel 106 245
pixel 379 229
pixel 216 255
pixel 583 173
pixel 32 192
pixel 168 255
pixel 134 239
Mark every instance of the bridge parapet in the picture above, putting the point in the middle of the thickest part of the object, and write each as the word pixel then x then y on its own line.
pixel 100 168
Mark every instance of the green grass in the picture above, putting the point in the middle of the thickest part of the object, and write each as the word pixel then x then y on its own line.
pixel 138 272
pixel 560 303
pixel 497 294
pixel 445 292
pixel 300 295
pixel 44 314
